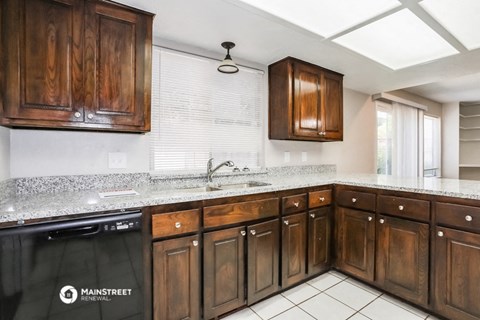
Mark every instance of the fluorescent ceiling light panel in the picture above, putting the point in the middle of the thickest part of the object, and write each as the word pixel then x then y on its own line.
pixel 460 17
pixel 397 41
pixel 324 17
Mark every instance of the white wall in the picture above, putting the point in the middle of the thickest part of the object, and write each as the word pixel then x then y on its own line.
pixel 450 140
pixel 355 154
pixel 4 153
pixel 53 152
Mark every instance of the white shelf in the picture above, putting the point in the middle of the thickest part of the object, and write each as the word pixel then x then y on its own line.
pixel 470 140
pixel 469 128
pixel 469 116
pixel 464 165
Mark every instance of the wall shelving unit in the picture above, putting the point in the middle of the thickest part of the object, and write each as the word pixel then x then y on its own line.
pixel 469 167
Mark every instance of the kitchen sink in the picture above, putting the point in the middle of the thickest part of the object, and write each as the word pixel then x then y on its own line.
pixel 228 186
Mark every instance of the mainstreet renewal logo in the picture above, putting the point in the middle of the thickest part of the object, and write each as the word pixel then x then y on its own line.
pixel 68 294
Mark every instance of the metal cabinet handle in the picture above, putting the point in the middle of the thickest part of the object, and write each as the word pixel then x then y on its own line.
pixel 468 218
pixel 296 204
pixel 321 199
pixel 253 232
pixel 243 233
pixel 401 208
pixel 354 200
pixel 77 114
pixel 382 221
pixel 321 133
pixel 90 116
pixel 286 222
pixel 178 225
pixel 195 243
pixel 440 233
pixel 370 218
pixel 312 215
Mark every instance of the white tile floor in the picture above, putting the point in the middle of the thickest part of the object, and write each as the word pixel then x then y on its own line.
pixel 331 296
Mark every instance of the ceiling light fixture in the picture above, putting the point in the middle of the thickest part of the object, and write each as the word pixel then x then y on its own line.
pixel 227 65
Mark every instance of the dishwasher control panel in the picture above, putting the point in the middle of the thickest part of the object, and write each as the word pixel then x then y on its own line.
pixel 122 225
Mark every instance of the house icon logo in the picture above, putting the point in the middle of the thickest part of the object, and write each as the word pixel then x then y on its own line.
pixel 68 294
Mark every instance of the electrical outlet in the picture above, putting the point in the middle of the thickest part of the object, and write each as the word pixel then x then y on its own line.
pixel 304 156
pixel 286 156
pixel 117 160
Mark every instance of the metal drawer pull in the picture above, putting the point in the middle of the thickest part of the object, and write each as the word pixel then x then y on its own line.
pixel 243 233
pixel 77 114
pixel 370 218
pixel 440 233
pixel 286 222
pixel 321 199
pixel 178 225
pixel 382 221
pixel 253 232
pixel 401 208
pixel 468 218
pixel 312 215
pixel 90 116
pixel 354 200
pixel 195 243
pixel 296 204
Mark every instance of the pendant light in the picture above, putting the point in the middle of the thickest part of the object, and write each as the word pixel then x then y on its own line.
pixel 227 65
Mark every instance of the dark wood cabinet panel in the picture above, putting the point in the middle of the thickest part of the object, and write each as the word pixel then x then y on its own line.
pixel 319 198
pixel 356 242
pixel 174 223
pixel 457 274
pixel 295 203
pixel 356 199
pixel 42 45
pixel 402 258
pixel 404 207
pixel 263 260
pixel 294 250
pixel 319 240
pixel 76 64
pixel 305 102
pixel 223 271
pixel 176 279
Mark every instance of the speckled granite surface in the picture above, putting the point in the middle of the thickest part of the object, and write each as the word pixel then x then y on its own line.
pixel 41 205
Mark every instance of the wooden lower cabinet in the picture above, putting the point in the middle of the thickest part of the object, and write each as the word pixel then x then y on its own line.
pixel 457 274
pixel 294 250
pixel 402 258
pixel 356 242
pixel 225 285
pixel 223 271
pixel 176 279
pixel 319 240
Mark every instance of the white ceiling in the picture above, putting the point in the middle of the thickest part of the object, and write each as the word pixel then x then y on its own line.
pixel 263 38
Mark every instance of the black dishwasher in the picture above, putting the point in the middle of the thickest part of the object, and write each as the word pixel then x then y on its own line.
pixel 87 268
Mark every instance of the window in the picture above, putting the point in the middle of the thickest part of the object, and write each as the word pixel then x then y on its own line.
pixel 384 139
pixel 431 146
pixel 199 113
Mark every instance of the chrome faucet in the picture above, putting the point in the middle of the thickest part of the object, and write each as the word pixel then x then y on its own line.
pixel 211 171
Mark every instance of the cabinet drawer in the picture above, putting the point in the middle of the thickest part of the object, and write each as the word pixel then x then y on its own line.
pixel 404 207
pixel 356 200
pixel 319 198
pixel 239 212
pixel 296 203
pixel 457 215
pixel 173 223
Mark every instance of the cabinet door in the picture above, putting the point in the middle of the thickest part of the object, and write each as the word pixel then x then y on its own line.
pixel 294 249
pixel 117 66
pixel 332 107
pixel 319 232
pixel 402 258
pixel 176 276
pixel 457 274
pixel 223 271
pixel 356 242
pixel 43 47
pixel 263 246
pixel 307 101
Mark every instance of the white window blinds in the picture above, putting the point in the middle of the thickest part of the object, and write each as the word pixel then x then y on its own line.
pixel 199 113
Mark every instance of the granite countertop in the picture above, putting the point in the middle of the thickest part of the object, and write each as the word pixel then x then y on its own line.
pixel 44 205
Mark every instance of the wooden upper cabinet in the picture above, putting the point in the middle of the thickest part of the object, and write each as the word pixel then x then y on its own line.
pixel 76 64
pixel 42 44
pixel 305 102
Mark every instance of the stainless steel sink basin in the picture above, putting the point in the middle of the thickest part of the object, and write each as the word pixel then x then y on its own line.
pixel 244 185
pixel 228 186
